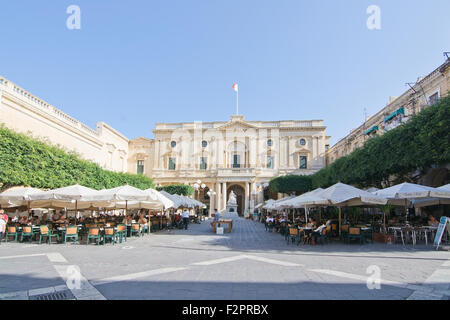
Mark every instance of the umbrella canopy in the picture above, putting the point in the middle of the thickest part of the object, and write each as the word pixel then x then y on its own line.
pixel 342 195
pixel 309 198
pixel 406 192
pixel 167 203
pixel 441 192
pixel 75 192
pixel 268 203
pixel 150 205
pixel 17 196
pixel 70 197
pixel 123 193
pixel 178 201
pixel 276 205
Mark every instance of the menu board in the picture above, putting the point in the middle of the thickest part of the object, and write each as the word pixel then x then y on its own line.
pixel 440 231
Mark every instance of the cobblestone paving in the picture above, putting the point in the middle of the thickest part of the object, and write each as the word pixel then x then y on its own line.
pixel 249 263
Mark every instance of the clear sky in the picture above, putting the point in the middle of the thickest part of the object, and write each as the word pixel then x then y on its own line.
pixel 134 63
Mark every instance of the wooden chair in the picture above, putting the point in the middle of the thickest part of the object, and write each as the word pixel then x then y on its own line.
pixel 293 235
pixel 334 230
pixel 135 229
pixel 355 233
pixel 44 231
pixel 71 234
pixel 110 234
pixel 122 232
pixel 27 231
pixel 344 231
pixel 11 231
pixel 93 233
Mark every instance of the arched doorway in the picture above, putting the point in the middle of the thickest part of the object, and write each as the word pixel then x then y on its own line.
pixel 240 193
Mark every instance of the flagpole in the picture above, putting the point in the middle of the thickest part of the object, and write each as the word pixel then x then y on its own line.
pixel 237 102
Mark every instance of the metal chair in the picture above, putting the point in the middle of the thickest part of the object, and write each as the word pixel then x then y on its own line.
pixel 71 234
pixel 93 233
pixel 27 232
pixel 11 231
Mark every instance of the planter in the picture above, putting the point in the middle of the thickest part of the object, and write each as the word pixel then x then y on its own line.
pixel 383 238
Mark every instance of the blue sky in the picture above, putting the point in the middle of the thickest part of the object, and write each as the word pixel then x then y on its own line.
pixel 135 63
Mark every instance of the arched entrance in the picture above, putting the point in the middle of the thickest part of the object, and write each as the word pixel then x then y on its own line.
pixel 240 193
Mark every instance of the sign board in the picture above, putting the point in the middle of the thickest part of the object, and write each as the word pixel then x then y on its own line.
pixel 444 222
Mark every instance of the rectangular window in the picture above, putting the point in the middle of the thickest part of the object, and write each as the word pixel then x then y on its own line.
pixel 203 163
pixel 303 162
pixel 140 167
pixel 172 162
pixel 236 161
pixel 434 98
pixel 269 162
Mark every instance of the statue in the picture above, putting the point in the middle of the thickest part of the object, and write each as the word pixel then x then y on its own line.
pixel 232 199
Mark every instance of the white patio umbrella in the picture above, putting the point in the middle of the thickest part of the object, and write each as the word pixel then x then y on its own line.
pixel 438 196
pixel 305 200
pixel 124 193
pixel 177 201
pixel 158 195
pixel 441 192
pixel 17 196
pixel 406 193
pixel 342 195
pixel 71 197
pixel 267 204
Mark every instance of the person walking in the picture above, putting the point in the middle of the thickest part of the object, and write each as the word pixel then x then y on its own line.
pixel 2 225
pixel 185 216
pixel 217 216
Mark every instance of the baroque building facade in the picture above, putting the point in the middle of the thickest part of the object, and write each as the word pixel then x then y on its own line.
pixel 235 155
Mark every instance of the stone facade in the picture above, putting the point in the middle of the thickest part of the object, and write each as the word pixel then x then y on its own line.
pixel 423 93
pixel 236 155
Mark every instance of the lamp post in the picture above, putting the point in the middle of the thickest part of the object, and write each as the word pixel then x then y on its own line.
pixel 211 194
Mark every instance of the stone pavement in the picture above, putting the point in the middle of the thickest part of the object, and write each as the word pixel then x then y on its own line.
pixel 249 263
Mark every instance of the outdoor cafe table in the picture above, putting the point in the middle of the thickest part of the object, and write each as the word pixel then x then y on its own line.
pixel 220 222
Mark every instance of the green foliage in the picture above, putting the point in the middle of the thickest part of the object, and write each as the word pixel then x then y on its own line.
pixel 290 184
pixel 416 145
pixel 26 161
pixel 181 189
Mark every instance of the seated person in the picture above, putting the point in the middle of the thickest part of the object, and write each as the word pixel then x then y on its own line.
pixel 34 220
pixel 311 223
pixel 23 220
pixel 56 216
pixel 432 222
pixel 317 232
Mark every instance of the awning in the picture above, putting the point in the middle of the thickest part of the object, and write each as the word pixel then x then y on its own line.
pixel 374 128
pixel 393 114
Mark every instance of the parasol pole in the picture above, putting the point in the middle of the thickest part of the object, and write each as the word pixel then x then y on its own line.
pixel 406 210
pixel 340 224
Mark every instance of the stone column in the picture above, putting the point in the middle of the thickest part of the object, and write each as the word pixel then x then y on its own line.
pixel 218 196
pixel 247 191
pixel 212 199
pixel 224 196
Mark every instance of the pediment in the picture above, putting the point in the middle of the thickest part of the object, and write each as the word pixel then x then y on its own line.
pixel 237 125
pixel 301 150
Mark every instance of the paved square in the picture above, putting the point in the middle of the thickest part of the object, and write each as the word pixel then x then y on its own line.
pixel 249 263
